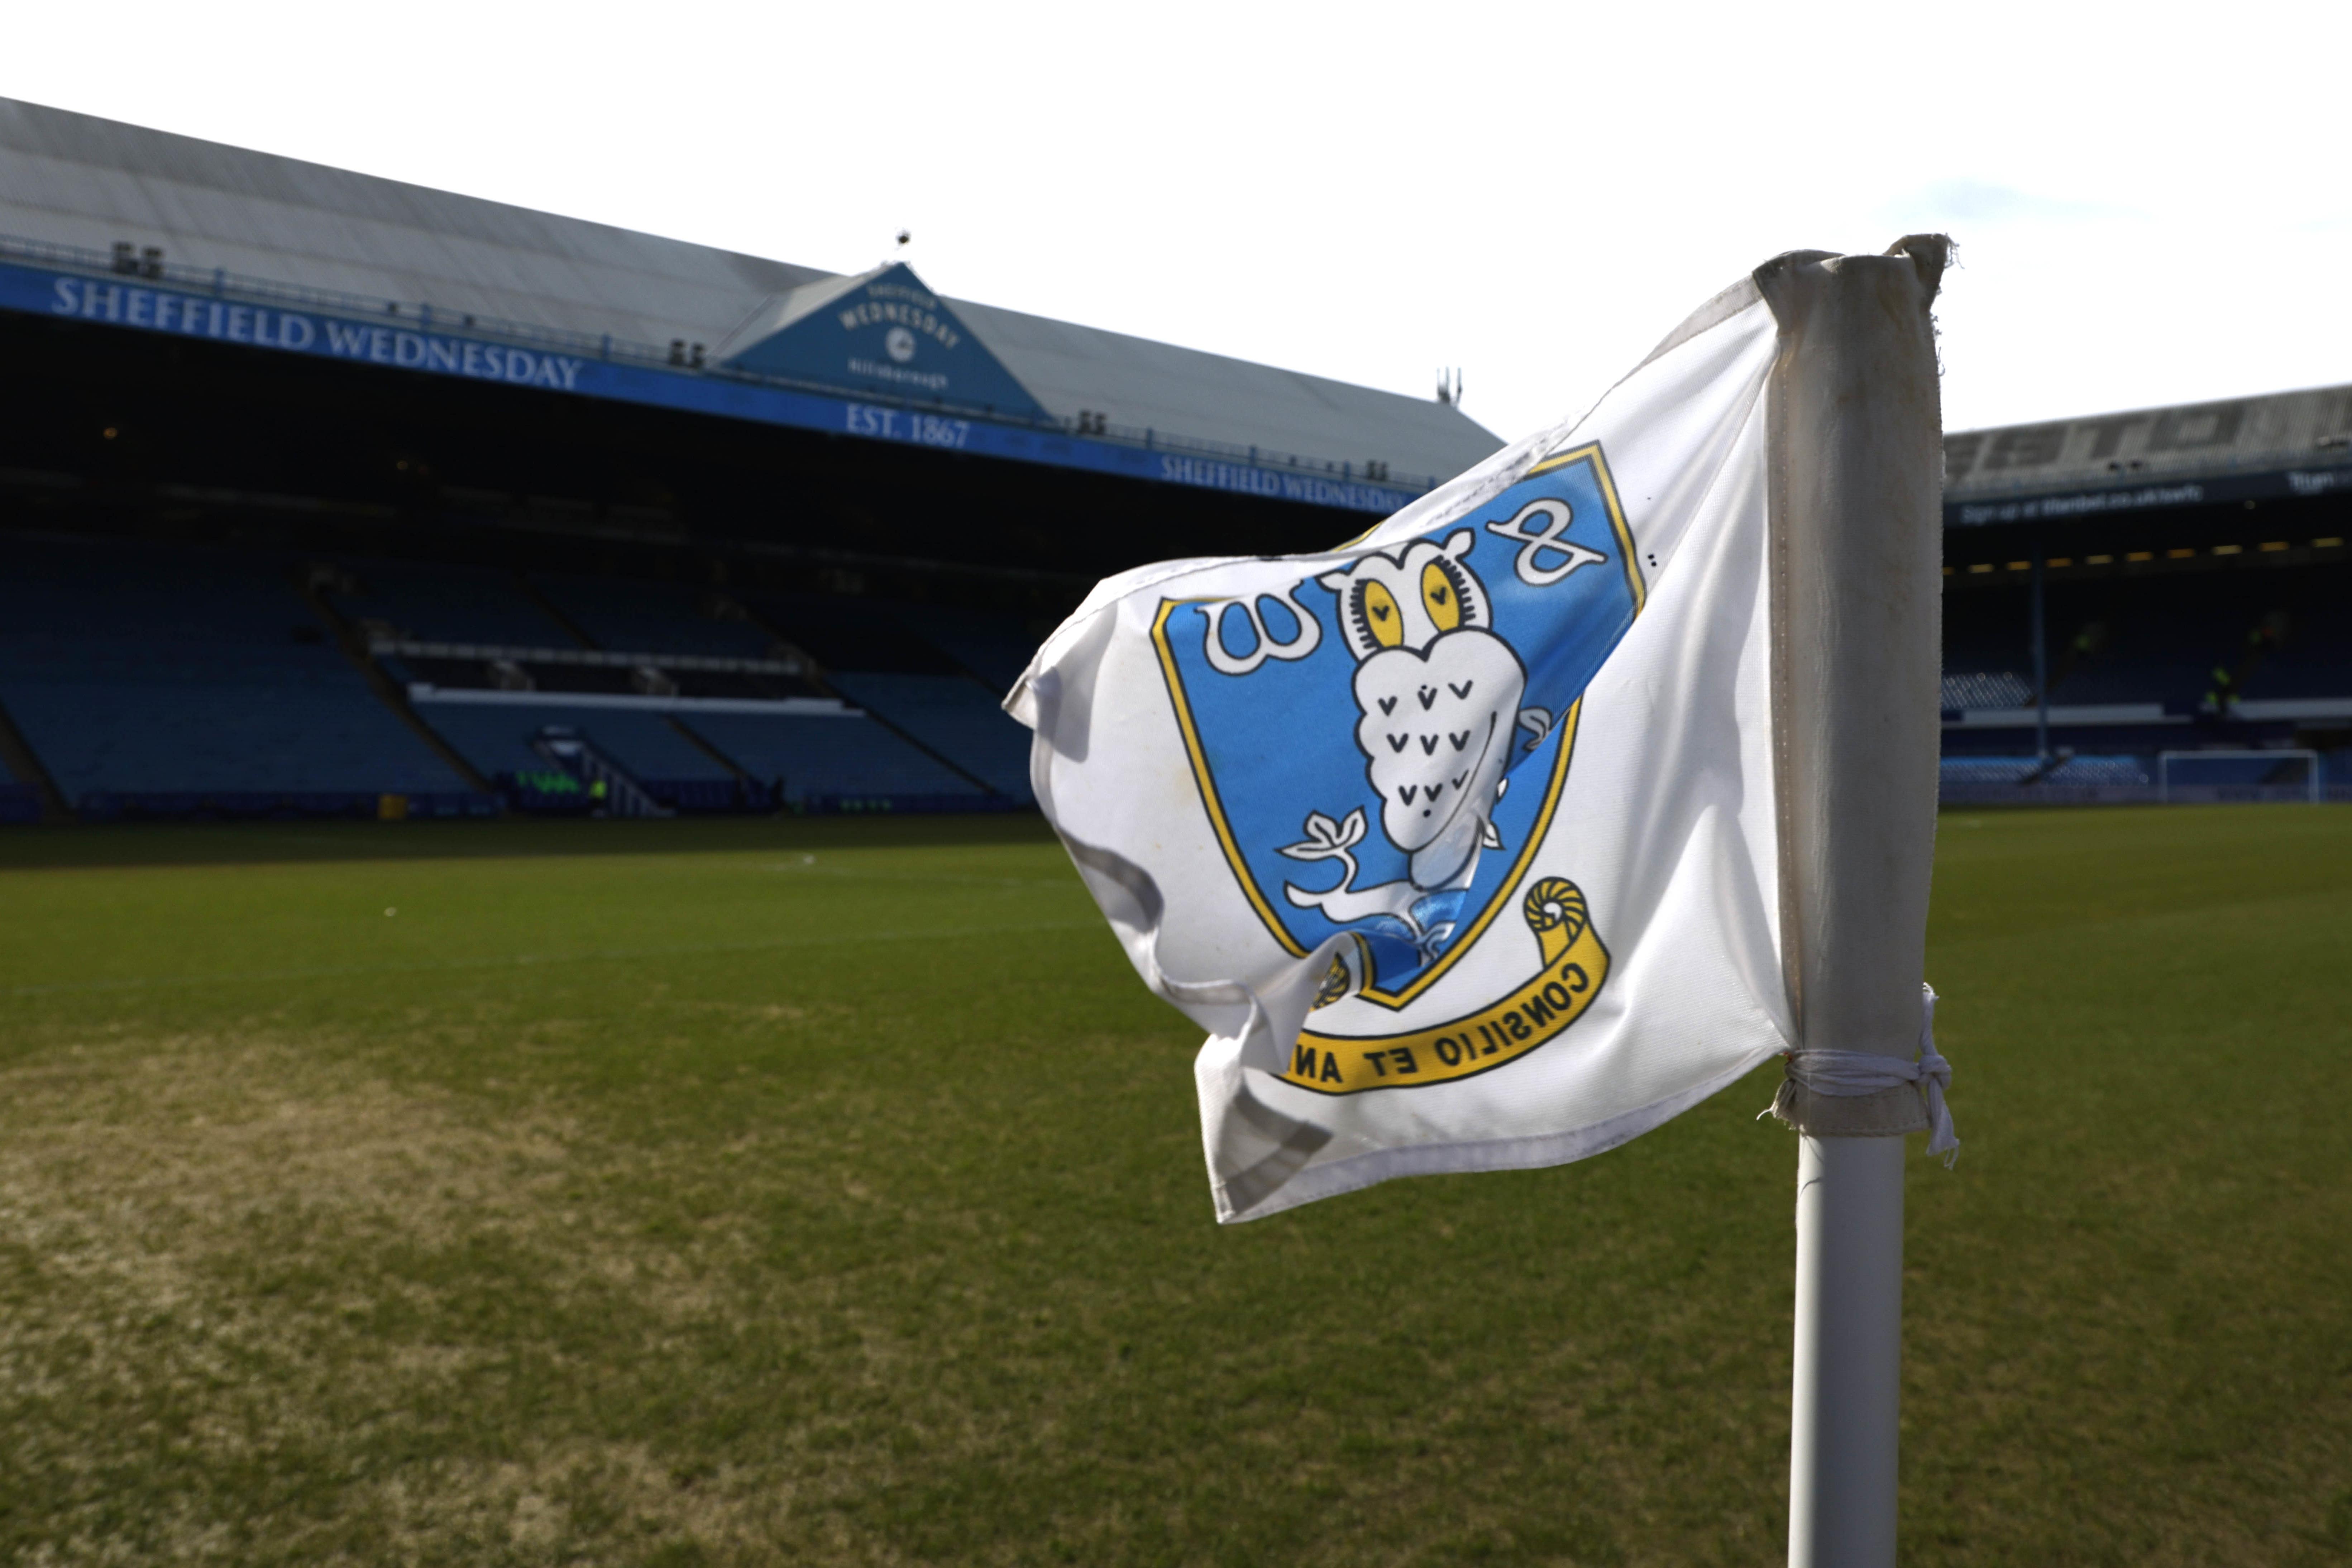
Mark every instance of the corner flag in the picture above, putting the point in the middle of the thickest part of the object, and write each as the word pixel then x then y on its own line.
pixel 1462 841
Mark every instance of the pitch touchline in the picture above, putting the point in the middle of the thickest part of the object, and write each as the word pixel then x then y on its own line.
pixel 524 959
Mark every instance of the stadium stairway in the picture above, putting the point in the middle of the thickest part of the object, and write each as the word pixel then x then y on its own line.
pixel 606 779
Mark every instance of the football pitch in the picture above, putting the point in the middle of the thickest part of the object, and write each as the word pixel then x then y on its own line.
pixel 830 1192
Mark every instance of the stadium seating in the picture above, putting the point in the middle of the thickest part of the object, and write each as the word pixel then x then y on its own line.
pixel 18 802
pixel 954 716
pixel 2170 640
pixel 1987 770
pixel 497 738
pixel 449 603
pixel 2126 770
pixel 2227 771
pixel 636 617
pixel 872 634
pixel 995 648
pixel 1993 778
pixel 818 760
pixel 878 657
pixel 930 673
pixel 157 673
pixel 2314 657
pixel 173 679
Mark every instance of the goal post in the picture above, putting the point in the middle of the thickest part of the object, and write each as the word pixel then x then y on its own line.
pixel 2311 769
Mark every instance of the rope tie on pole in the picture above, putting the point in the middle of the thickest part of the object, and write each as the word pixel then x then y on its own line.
pixel 1853 1073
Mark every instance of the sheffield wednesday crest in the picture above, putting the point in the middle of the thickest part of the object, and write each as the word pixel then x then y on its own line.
pixel 1382 747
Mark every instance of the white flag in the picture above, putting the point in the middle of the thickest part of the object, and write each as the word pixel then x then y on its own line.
pixel 1459 840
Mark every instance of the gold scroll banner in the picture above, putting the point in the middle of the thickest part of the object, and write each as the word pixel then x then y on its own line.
pixel 1570 976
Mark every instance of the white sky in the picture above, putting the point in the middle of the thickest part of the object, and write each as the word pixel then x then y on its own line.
pixel 2150 199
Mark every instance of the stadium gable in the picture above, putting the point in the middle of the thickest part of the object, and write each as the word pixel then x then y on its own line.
pixel 882 331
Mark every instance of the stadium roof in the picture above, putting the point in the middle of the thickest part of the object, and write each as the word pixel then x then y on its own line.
pixel 74 179
pixel 2284 444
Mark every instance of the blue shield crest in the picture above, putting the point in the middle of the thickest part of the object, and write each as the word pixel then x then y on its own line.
pixel 1380 746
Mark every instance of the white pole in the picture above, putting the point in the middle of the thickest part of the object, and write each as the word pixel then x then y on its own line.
pixel 1843 1420
pixel 1857 612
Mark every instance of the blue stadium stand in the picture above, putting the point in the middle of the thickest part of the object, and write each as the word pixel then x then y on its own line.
pixel 2125 772
pixel 2237 772
pixel 2162 648
pixel 158 680
pixel 2314 659
pixel 825 761
pixel 449 603
pixel 496 737
pixel 1985 771
pixel 820 762
pixel 872 634
pixel 952 715
pixel 642 617
pixel 1993 779
pixel 912 666
pixel 19 802
pixel 467 606
pixel 994 648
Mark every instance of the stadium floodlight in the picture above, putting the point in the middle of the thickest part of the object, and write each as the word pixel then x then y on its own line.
pixel 2311 769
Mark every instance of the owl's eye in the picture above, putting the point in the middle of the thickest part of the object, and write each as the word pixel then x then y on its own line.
pixel 1444 599
pixel 1380 607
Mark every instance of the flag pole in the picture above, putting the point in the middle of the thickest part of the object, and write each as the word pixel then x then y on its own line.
pixel 1855 431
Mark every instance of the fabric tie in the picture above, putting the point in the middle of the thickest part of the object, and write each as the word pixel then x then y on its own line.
pixel 1867 1072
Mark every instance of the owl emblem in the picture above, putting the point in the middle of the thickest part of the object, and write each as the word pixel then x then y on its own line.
pixel 1437 713
pixel 1358 723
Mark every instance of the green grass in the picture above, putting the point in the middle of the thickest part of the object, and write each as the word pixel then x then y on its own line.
pixel 683 1193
